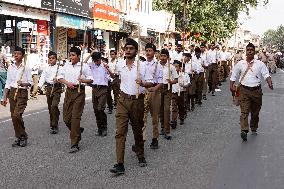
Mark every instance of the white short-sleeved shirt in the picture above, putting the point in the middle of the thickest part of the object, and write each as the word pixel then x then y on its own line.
pixel 100 74
pixel 128 77
pixel 48 74
pixel 254 75
pixel 173 73
pixel 212 56
pixel 14 74
pixel 156 70
pixel 197 64
pixel 71 72
pixel 183 80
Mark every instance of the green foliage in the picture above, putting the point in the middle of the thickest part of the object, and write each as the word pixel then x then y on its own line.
pixel 213 18
pixel 274 38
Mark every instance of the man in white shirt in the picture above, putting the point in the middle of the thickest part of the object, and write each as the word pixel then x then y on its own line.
pixel 225 57
pixel 191 89
pixel 33 62
pixel 74 77
pixel 170 77
pixel 206 73
pixel 152 99
pixel 101 74
pixel 53 90
pixel 198 65
pixel 250 72
pixel 19 79
pixel 130 106
pixel 212 56
pixel 178 92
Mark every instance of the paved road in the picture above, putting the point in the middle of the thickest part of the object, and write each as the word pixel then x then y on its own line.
pixel 205 153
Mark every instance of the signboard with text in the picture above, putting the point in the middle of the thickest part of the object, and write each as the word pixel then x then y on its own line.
pixel 105 17
pixel 74 7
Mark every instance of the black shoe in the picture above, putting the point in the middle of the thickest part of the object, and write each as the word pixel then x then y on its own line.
pixel 220 84
pixel 23 141
pixel 168 136
pixel 199 103
pixel 244 136
pixel 181 122
pixel 118 169
pixel 209 91
pixel 104 133
pixel 162 132
pixel 213 94
pixel 154 144
pixel 75 148
pixel 81 130
pixel 134 148
pixel 204 97
pixel 173 124
pixel 53 130
pixel 142 162
pixel 16 143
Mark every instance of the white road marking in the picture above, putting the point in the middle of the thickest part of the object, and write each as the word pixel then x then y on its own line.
pixel 36 113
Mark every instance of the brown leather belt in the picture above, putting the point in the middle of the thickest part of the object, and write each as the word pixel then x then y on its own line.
pixel 131 97
pixel 251 88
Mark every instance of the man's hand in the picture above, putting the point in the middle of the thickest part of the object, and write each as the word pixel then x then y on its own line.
pixel 269 82
pixel 232 88
pixel 70 85
pixel 4 102
pixel 139 82
pixel 169 81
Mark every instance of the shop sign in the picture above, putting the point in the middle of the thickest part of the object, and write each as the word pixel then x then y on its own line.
pixel 29 3
pixel 8 30
pixel 105 17
pixel 74 7
pixel 47 4
pixel 20 11
pixel 42 27
pixel 69 21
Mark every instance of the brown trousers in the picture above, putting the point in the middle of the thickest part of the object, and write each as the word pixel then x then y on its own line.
pixel 250 102
pixel 199 86
pixel 152 103
pixel 129 109
pixel 99 97
pixel 113 86
pixel 205 83
pixel 17 108
pixel 191 93
pixel 53 101
pixel 225 68
pixel 178 106
pixel 165 110
pixel 73 107
pixel 213 77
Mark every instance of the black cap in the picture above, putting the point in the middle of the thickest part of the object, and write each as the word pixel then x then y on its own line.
pixel 202 45
pixel 197 50
pixel 250 45
pixel 17 48
pixel 51 53
pixel 150 46
pixel 141 58
pixel 96 56
pixel 177 62
pixel 75 50
pixel 187 55
pixel 166 52
pixel 132 42
pixel 179 45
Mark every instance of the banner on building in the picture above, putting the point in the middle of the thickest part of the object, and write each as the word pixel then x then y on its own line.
pixel 47 4
pixel 42 27
pixel 29 3
pixel 69 21
pixel 105 17
pixel 75 7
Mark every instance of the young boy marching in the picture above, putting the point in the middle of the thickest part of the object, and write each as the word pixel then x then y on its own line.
pixel 53 90
pixel 19 79
pixel 178 91
pixel 74 76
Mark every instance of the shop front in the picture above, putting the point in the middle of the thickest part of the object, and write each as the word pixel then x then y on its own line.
pixel 20 25
pixel 70 32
